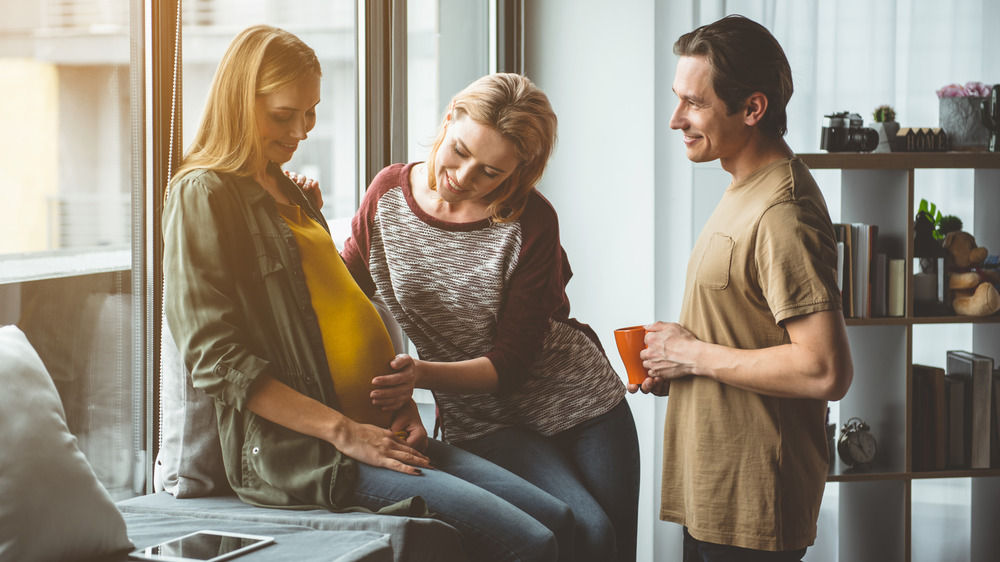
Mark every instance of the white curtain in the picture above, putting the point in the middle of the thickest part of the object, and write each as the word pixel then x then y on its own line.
pixel 854 55
pixel 857 54
pixel 629 201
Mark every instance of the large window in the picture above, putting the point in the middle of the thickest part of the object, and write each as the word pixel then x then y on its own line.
pixel 66 162
pixel 328 26
pixel 88 115
pixel 447 47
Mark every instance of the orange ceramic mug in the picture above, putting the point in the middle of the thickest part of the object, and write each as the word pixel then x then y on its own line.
pixel 630 342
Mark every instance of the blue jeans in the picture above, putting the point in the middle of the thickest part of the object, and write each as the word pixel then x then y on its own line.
pixel 500 516
pixel 701 551
pixel 592 467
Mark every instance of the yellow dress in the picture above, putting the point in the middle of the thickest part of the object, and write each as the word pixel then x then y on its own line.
pixel 358 347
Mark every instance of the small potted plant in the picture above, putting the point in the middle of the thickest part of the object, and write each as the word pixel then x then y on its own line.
pixel 886 126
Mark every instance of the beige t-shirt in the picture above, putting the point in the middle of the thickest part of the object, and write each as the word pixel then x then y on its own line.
pixel 741 468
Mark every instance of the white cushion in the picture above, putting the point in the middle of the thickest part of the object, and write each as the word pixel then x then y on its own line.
pixel 53 507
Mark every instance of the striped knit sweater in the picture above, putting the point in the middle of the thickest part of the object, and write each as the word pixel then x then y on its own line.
pixel 467 290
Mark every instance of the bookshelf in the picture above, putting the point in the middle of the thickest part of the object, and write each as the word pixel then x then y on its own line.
pixel 875 510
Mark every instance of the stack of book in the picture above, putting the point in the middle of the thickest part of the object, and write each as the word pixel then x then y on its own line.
pixel 956 414
pixel 871 284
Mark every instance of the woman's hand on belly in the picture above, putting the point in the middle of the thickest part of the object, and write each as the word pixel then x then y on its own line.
pixel 370 444
pixel 375 446
pixel 394 390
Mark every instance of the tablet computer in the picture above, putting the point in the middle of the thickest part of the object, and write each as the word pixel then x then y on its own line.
pixel 202 546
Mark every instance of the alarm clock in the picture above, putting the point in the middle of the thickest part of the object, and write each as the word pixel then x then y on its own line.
pixel 856 446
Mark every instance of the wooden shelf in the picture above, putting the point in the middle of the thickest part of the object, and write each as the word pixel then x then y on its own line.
pixel 880 189
pixel 879 321
pixel 956 319
pixel 900 160
pixel 918 320
pixel 848 476
pixel 958 473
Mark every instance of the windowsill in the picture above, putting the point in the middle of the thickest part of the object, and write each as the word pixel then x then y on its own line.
pixel 19 268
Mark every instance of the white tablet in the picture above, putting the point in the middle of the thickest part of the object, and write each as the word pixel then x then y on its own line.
pixel 202 546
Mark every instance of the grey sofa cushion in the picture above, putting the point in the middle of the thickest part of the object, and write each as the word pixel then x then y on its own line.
pixel 412 539
pixel 293 543
pixel 189 463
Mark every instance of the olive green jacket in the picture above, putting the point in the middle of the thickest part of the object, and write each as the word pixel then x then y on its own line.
pixel 238 307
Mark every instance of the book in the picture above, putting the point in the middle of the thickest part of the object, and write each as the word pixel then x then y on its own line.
pixel 939 414
pixel 859 271
pixel 896 287
pixel 871 262
pixel 845 237
pixel 860 233
pixel 840 266
pixel 979 369
pixel 919 425
pixel 995 431
pixel 880 272
pixel 929 418
pixel 957 396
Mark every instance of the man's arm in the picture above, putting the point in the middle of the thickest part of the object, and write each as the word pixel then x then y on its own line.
pixel 816 364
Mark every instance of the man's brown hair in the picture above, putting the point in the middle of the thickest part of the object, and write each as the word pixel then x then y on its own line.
pixel 745 58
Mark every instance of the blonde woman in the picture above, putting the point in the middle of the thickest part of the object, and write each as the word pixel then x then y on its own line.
pixel 466 253
pixel 271 324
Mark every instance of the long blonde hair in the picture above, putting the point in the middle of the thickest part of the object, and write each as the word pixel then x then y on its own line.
pixel 261 60
pixel 513 106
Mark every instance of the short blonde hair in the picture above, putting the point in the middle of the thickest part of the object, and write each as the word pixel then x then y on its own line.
pixel 260 60
pixel 513 106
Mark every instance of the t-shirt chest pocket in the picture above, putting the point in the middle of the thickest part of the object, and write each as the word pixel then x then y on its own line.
pixel 713 271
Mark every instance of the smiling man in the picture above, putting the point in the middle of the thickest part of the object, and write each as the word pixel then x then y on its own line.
pixel 760 345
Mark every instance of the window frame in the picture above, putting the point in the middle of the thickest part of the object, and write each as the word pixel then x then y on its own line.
pixel 156 87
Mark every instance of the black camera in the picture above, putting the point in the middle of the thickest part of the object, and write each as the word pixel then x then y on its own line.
pixel 844 133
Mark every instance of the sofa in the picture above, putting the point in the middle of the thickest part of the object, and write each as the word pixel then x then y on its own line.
pixel 55 508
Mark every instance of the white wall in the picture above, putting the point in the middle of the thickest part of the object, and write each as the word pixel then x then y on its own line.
pixel 625 219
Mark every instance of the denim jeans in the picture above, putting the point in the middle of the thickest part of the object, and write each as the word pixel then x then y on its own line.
pixel 701 551
pixel 500 516
pixel 593 467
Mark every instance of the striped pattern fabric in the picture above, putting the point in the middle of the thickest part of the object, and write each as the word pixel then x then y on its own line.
pixel 446 288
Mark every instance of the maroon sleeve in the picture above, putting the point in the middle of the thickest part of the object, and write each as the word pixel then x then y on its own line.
pixel 536 293
pixel 357 248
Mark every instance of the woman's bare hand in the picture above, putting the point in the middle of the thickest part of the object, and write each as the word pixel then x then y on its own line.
pixel 407 425
pixel 309 187
pixel 379 447
pixel 372 445
pixel 396 389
